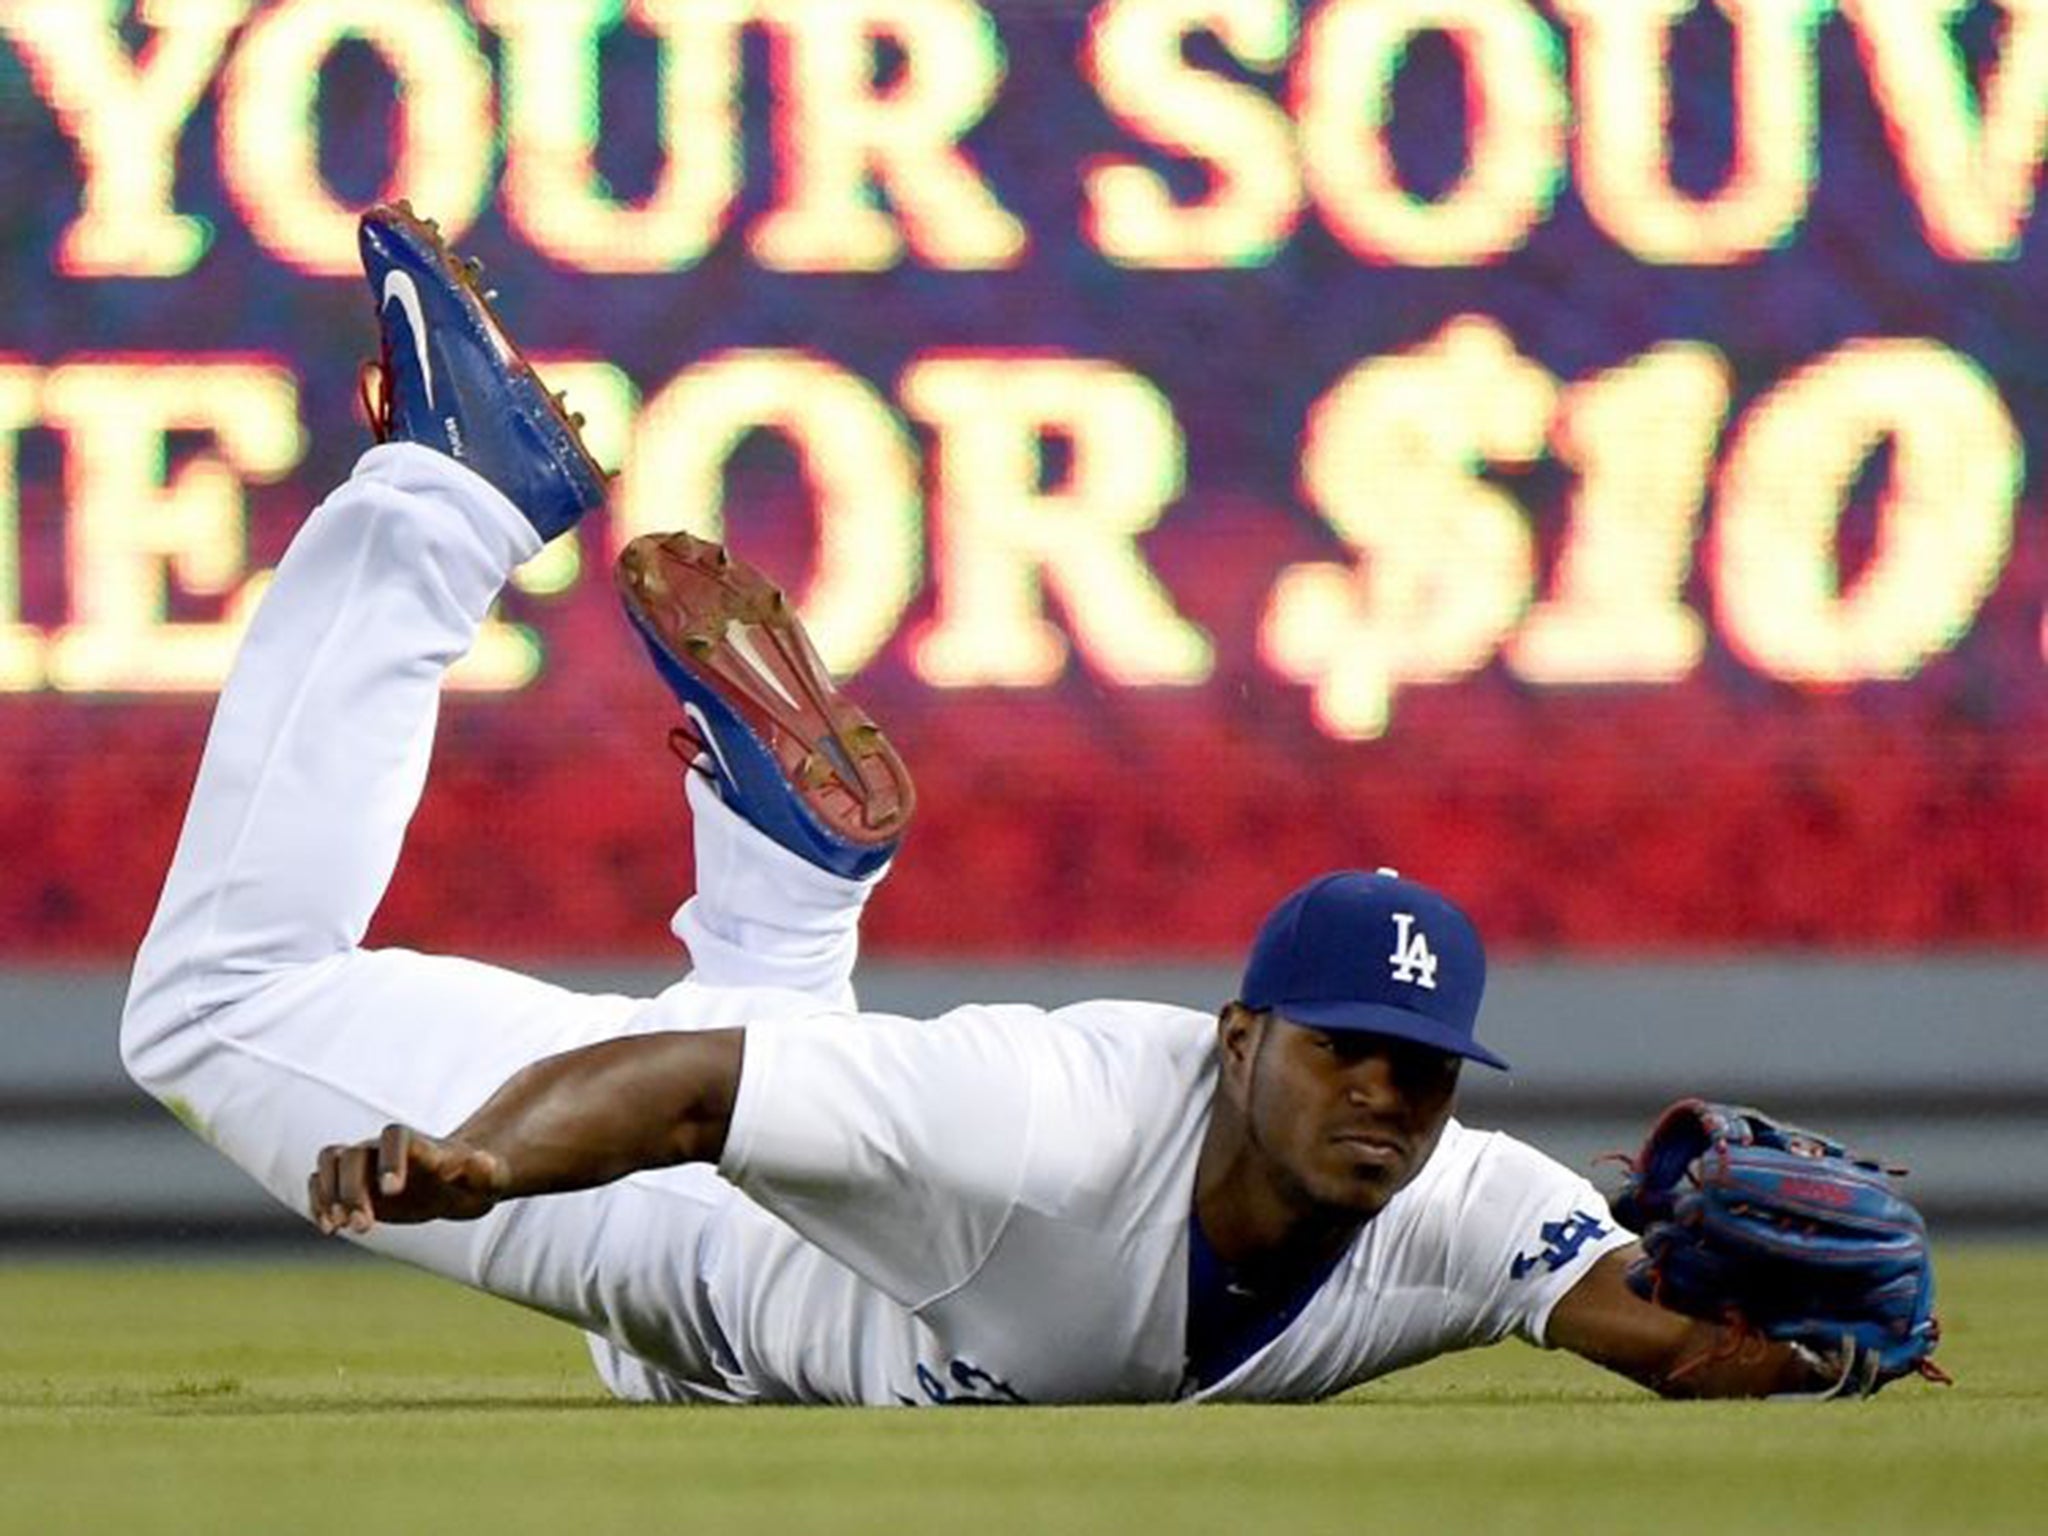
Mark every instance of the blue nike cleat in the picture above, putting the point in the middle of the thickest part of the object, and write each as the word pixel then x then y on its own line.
pixel 785 748
pixel 448 377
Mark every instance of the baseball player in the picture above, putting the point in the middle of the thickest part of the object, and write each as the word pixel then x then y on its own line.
pixel 744 1189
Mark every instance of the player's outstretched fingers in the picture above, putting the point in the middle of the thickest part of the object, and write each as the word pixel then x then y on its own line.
pixel 403 1176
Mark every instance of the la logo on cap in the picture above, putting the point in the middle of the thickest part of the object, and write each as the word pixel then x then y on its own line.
pixel 1412 959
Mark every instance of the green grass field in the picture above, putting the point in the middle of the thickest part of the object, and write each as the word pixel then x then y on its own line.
pixel 358 1397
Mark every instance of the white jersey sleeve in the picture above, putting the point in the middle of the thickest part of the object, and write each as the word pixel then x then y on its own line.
pixel 1530 1229
pixel 896 1145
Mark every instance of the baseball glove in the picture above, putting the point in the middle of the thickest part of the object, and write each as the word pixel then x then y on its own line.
pixel 1784 1233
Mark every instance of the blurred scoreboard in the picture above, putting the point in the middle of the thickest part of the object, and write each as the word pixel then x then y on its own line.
pixel 1578 453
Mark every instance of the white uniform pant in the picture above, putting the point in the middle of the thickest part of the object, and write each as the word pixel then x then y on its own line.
pixel 258 1018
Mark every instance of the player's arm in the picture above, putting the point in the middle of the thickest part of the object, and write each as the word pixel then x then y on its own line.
pixel 573 1121
pixel 1604 1321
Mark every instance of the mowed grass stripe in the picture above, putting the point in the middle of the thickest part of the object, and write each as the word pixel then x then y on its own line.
pixel 353 1396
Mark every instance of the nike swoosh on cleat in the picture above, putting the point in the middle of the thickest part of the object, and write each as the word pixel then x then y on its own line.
pixel 400 286
pixel 710 739
pixel 741 638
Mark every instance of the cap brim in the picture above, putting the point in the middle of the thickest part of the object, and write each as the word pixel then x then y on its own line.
pixel 1379 1019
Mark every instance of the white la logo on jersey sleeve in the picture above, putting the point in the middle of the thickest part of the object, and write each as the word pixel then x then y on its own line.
pixel 1413 960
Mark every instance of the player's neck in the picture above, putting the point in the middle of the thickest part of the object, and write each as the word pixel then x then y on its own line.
pixel 1251 1212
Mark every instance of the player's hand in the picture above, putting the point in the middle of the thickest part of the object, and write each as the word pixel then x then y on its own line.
pixel 402 1176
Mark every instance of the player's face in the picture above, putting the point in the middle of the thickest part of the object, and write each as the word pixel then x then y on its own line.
pixel 1347 1117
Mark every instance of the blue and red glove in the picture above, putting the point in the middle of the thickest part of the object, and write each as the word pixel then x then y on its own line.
pixel 1787 1233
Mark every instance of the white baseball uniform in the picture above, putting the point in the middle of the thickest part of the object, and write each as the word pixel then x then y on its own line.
pixel 991 1205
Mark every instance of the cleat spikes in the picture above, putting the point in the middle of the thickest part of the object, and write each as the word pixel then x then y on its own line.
pixel 646 579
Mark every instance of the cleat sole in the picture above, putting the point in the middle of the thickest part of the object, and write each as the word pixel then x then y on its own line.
pixel 735 632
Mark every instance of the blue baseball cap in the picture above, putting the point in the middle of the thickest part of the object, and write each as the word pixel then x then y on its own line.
pixel 1372 952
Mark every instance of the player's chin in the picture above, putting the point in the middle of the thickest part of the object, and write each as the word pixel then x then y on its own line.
pixel 1364 1186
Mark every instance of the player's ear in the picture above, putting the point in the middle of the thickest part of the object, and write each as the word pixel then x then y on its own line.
pixel 1237 1039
